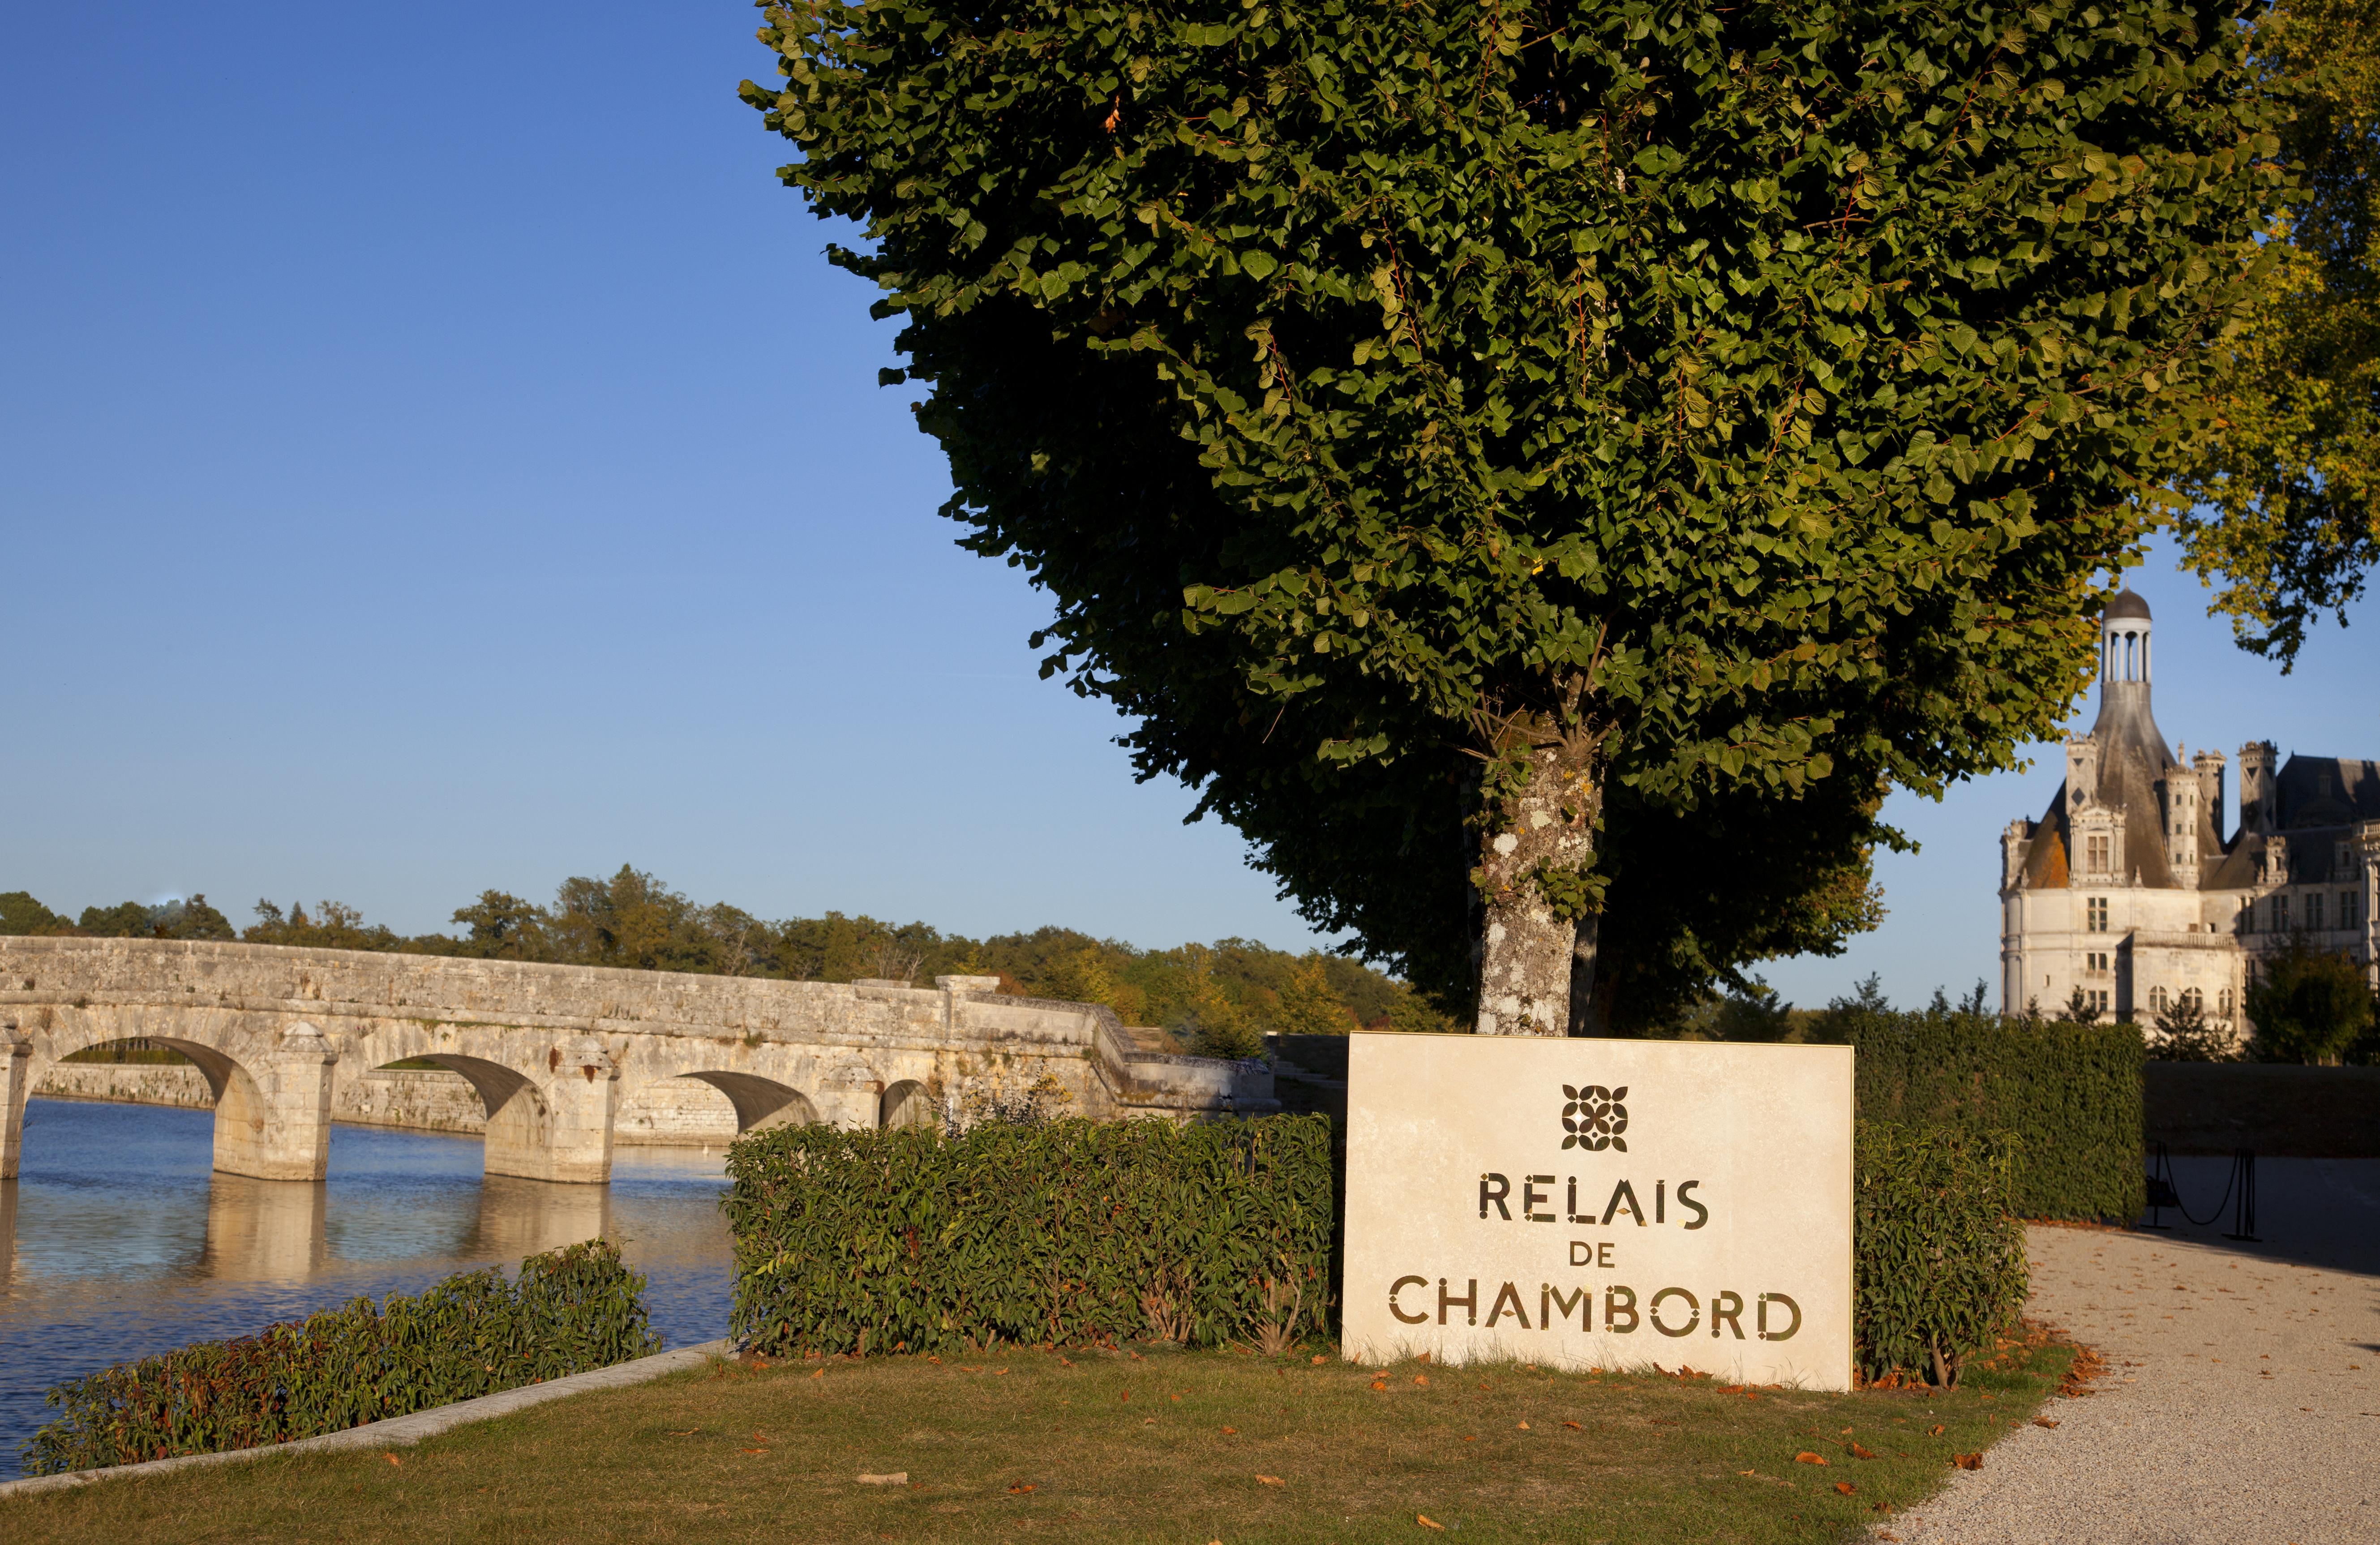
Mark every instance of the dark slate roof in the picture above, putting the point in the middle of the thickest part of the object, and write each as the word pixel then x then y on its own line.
pixel 2127 604
pixel 2044 852
pixel 2236 871
pixel 2133 757
pixel 2327 791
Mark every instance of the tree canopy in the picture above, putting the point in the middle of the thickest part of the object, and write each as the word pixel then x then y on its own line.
pixel 1483 447
pixel 2279 467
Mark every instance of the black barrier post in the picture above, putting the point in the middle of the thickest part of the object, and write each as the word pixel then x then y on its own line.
pixel 2243 1208
pixel 2161 1193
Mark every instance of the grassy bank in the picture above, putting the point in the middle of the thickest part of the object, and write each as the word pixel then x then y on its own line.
pixel 1155 1446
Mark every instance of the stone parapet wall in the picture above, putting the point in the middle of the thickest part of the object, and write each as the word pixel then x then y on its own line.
pixel 568 1058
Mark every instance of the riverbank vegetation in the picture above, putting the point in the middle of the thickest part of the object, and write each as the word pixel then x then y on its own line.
pixel 1128 1445
pixel 567 1311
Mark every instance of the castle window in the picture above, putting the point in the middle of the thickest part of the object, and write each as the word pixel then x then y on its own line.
pixel 2281 907
pixel 2156 1000
pixel 2194 1000
pixel 2100 1000
pixel 2094 915
pixel 2223 1000
pixel 2349 910
pixel 2095 963
pixel 2247 916
pixel 2313 912
pixel 2096 853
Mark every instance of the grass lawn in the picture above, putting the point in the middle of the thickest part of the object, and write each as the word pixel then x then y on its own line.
pixel 1154 1445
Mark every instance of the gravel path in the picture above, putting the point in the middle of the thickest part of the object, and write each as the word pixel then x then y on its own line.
pixel 2243 1401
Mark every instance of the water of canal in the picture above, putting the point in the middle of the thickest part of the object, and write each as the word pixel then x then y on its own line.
pixel 118 1240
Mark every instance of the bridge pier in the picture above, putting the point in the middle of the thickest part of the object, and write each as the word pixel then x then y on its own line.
pixel 273 1121
pixel 560 1129
pixel 16 1084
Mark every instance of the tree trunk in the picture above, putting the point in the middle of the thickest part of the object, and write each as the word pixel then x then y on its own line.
pixel 1527 953
pixel 1589 1009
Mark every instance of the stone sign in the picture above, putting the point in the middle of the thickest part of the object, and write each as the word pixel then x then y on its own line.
pixel 1601 1204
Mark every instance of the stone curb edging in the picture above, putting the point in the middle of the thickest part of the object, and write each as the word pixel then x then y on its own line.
pixel 402 1432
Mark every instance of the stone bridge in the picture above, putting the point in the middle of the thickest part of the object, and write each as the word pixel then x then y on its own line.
pixel 553 1049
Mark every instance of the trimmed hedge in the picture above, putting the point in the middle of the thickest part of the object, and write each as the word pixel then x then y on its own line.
pixel 2069 1094
pixel 473 1334
pixel 1071 1233
pixel 1938 1260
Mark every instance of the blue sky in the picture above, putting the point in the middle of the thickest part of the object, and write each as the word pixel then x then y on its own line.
pixel 434 455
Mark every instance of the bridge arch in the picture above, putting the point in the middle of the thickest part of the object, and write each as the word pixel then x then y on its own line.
pixel 270 1078
pixel 908 1103
pixel 760 1103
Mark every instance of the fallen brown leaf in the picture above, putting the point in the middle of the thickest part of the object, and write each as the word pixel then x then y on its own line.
pixel 1379 1383
pixel 898 1477
pixel 1574 1427
pixel 1968 1461
pixel 1232 1431
pixel 1271 1481
pixel 1319 1360
pixel 1019 1490
pixel 1935 1431
pixel 2043 1421
pixel 394 1460
pixel 1859 1452
pixel 1425 1521
pixel 756 1451
pixel 1845 1487
pixel 1421 1378
pixel 1806 1457
pixel 1525 1426
pixel 817 1373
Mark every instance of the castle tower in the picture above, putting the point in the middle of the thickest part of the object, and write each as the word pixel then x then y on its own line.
pixel 2209 767
pixel 2081 771
pixel 2124 645
pixel 2259 793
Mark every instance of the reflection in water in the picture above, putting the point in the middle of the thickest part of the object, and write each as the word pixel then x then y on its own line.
pixel 119 1241
pixel 263 1231
pixel 529 1217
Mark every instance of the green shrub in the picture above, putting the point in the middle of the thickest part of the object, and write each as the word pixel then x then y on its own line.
pixel 2308 1005
pixel 472 1334
pixel 2070 1094
pixel 1072 1233
pixel 1938 1260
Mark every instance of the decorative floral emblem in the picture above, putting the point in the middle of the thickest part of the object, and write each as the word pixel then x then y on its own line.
pixel 1594 1118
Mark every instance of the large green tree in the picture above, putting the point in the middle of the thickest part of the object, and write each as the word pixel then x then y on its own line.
pixel 1443 427
pixel 2279 467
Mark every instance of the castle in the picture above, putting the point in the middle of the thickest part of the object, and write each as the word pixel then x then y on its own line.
pixel 2126 888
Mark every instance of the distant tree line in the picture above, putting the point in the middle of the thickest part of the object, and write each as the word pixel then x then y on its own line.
pixel 1219 999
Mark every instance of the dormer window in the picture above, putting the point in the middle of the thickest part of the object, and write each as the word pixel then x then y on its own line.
pixel 2096 855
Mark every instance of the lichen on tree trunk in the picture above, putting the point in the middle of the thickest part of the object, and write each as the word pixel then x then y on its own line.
pixel 1528 948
